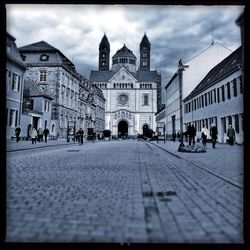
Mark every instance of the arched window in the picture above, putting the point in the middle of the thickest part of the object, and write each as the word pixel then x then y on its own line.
pixel 145 99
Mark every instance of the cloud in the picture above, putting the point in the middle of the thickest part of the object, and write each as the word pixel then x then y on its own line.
pixel 174 31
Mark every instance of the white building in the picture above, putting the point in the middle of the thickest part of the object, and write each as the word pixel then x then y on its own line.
pixel 131 94
pixel 218 99
pixel 186 78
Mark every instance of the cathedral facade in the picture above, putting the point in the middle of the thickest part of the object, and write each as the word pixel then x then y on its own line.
pixel 130 92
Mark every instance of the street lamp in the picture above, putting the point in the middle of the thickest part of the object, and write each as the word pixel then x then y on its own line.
pixel 181 68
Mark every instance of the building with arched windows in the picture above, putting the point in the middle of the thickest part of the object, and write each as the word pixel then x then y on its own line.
pixel 130 92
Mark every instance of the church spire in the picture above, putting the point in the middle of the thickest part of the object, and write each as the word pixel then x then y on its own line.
pixel 104 53
pixel 145 53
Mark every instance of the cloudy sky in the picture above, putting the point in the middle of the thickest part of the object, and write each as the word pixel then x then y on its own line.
pixel 174 31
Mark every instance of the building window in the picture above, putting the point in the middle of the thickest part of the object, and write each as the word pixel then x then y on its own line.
pixel 236 125
pixel 202 101
pixel 145 99
pixel 240 82
pixel 144 64
pixel 43 76
pixel 144 55
pixel 235 87
pixel 218 95
pixel 103 63
pixel 46 106
pixel 230 120
pixel 214 95
pixel 228 91
pixel 44 57
pixel 13 118
pixel 15 82
pixel 205 96
pixel 222 93
pixel 224 124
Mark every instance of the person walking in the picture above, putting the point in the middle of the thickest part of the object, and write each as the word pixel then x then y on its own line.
pixel 40 134
pixel 231 134
pixel 80 134
pixel 213 134
pixel 204 134
pixel 191 131
pixel 45 132
pixel 17 132
pixel 33 135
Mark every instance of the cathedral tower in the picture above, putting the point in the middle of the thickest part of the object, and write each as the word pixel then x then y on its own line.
pixel 104 51
pixel 145 53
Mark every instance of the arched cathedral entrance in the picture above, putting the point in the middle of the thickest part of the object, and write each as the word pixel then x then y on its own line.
pixel 122 128
pixel 145 129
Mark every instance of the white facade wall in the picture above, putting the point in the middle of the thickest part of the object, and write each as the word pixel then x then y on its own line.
pixel 200 65
pixel 173 107
pixel 217 112
pixel 198 68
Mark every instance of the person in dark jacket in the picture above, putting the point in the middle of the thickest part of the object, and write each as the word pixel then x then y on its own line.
pixel 191 131
pixel 213 134
pixel 45 132
pixel 80 134
pixel 231 135
pixel 17 132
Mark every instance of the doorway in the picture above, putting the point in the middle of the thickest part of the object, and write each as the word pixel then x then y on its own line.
pixel 145 130
pixel 35 122
pixel 123 128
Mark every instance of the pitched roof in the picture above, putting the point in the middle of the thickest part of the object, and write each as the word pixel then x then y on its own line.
pixel 39 46
pixel 141 75
pixel 31 89
pixel 220 71
pixel 124 52
pixel 13 53
pixel 146 75
pixel 100 76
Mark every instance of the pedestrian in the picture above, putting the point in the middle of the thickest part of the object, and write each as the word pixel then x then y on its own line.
pixel 191 131
pixel 213 134
pixel 204 134
pixel 33 135
pixel 80 135
pixel 174 136
pixel 77 137
pixel 17 132
pixel 94 135
pixel 45 133
pixel 40 134
pixel 231 134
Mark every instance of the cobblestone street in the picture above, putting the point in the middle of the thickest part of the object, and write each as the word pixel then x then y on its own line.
pixel 125 191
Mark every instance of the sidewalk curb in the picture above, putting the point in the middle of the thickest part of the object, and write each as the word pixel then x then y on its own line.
pixel 205 169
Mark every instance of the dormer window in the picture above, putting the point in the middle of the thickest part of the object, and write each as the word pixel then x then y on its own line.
pixel 44 57
pixel 23 57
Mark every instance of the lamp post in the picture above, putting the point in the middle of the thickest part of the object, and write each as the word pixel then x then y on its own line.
pixel 181 68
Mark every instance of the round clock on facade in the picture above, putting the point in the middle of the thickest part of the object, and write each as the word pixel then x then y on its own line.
pixel 123 99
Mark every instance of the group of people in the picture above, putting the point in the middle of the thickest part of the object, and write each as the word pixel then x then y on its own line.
pixel 79 136
pixel 37 135
pixel 213 133
pixel 191 132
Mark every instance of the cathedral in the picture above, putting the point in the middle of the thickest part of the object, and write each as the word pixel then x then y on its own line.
pixel 132 92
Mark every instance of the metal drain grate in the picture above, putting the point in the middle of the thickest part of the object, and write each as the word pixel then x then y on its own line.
pixel 73 150
pixel 158 194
